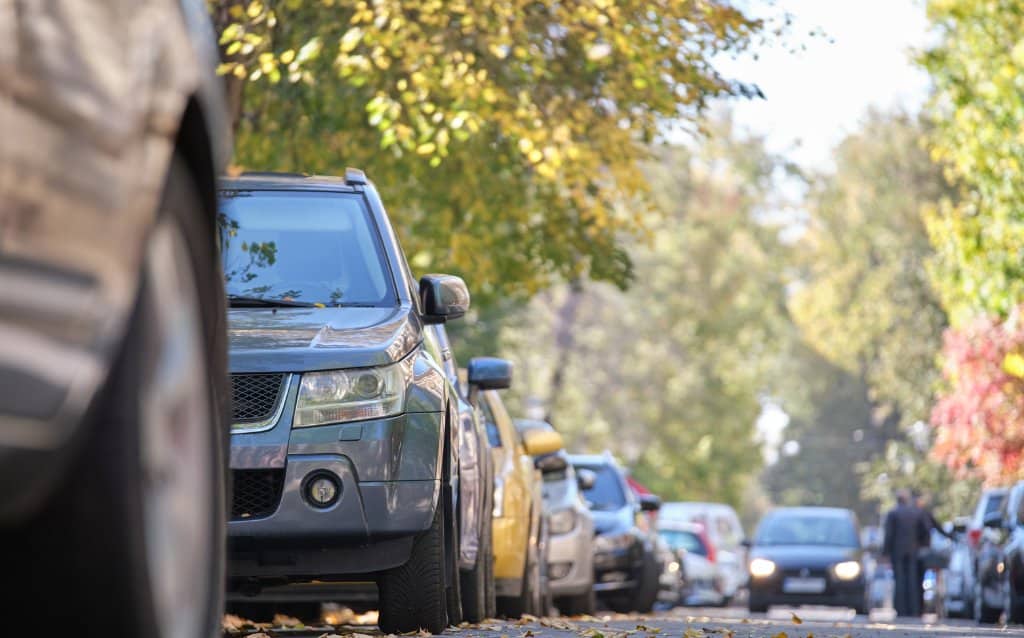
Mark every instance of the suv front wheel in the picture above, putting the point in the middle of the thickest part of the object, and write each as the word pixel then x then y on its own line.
pixel 414 596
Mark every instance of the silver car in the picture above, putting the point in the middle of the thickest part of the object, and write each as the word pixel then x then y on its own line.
pixel 571 529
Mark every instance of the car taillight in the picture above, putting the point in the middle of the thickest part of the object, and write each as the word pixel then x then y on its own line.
pixel 974 537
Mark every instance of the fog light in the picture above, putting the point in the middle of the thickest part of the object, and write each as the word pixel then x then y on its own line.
pixel 322 490
pixel 558 570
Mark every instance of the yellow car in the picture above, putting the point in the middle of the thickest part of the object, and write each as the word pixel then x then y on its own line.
pixel 518 536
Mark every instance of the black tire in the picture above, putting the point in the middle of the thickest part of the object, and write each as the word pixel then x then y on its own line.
pixel 579 605
pixel 1014 607
pixel 91 541
pixel 646 593
pixel 475 586
pixel 528 601
pixel 413 596
pixel 984 614
pixel 453 589
pixel 757 606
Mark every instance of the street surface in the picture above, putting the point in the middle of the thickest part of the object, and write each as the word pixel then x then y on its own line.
pixel 683 623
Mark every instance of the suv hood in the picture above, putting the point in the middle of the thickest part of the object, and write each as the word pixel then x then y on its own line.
pixel 306 339
pixel 614 521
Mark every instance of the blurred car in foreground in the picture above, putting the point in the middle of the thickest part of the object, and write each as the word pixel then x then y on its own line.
pixel 344 443
pixel 570 530
pixel 520 528
pixel 702 584
pixel 807 556
pixel 626 563
pixel 723 527
pixel 113 368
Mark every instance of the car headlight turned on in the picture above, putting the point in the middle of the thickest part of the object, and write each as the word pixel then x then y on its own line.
pixel 339 396
pixel 761 568
pixel 847 570
pixel 562 521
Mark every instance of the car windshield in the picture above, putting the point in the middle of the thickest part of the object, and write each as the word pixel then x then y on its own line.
pixel 317 248
pixel 807 529
pixel 606 493
pixel 679 539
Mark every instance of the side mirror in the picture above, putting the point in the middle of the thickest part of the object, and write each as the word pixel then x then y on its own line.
pixel 650 503
pixel 746 542
pixel 443 297
pixel 585 479
pixel 539 442
pixel 994 520
pixel 551 463
pixel 960 524
pixel 489 373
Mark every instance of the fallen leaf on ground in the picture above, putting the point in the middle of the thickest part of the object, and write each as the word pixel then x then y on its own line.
pixel 259 635
pixel 797 620
pixel 280 620
pixel 693 633
pixel 231 622
pixel 781 634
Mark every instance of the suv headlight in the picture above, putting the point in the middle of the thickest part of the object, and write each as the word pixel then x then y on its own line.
pixel 847 570
pixel 562 521
pixel 338 396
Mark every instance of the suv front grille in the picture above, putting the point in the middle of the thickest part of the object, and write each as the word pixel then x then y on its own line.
pixel 255 493
pixel 254 396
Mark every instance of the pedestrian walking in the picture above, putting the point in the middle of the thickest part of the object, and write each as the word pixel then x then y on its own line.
pixel 904 529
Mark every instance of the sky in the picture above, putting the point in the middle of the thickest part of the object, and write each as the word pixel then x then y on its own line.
pixel 814 97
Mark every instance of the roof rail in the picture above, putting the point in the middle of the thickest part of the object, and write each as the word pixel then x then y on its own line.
pixel 272 174
pixel 355 177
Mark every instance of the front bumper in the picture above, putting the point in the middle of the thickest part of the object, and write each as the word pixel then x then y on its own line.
pixel 619 568
pixel 387 472
pixel 570 562
pixel 837 593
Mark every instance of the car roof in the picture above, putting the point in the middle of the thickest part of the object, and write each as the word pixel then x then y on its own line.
pixel 679 526
pixel 696 505
pixel 294 181
pixel 592 459
pixel 837 512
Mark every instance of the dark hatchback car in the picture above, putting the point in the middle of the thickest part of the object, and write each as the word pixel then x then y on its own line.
pixel 807 556
pixel 344 446
pixel 626 561
pixel 113 384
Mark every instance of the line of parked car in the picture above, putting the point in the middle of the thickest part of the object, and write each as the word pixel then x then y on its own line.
pixel 367 465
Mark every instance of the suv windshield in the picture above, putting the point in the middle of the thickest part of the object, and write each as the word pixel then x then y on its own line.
pixel 317 248
pixel 606 494
pixel 807 529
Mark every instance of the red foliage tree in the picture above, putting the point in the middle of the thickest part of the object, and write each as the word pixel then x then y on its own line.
pixel 979 418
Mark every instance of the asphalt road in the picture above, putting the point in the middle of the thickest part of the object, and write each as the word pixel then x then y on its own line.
pixel 683 623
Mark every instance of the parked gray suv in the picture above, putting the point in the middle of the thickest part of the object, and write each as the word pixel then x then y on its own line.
pixel 344 449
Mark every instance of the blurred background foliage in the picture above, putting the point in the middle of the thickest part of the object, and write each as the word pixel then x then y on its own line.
pixel 662 281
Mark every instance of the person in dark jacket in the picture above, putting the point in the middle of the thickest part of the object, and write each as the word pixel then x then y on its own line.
pixel 904 529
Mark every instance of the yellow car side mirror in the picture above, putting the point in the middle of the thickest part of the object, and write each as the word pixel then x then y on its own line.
pixel 538 442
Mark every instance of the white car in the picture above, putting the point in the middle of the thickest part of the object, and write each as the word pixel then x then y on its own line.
pixel 722 525
pixel 702 582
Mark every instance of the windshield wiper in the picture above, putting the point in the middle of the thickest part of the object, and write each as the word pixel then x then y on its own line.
pixel 244 301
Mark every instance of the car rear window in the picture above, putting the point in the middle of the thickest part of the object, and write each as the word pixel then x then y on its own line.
pixel 680 539
pixel 303 246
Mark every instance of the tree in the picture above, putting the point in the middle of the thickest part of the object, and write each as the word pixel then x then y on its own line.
pixel 978 111
pixel 507 135
pixel 668 374
pixel 865 304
